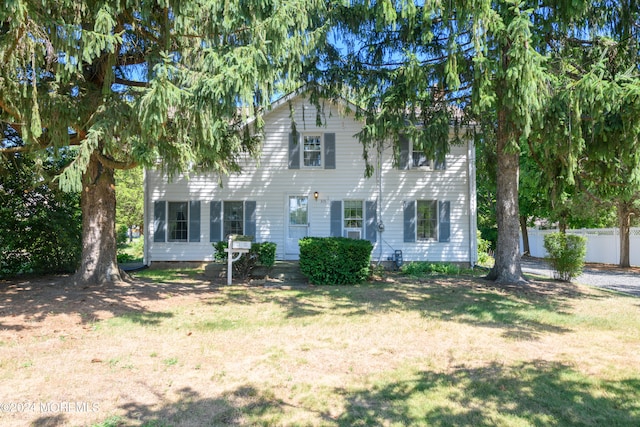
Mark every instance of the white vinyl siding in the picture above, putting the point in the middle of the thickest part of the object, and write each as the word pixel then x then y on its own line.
pixel 275 177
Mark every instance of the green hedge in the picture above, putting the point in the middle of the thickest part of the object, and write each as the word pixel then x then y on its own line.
pixel 335 260
pixel 566 254
pixel 263 253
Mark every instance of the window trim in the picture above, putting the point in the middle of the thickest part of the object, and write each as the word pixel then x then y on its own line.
pixel 224 220
pixel 436 221
pixel 321 150
pixel 362 219
pixel 170 221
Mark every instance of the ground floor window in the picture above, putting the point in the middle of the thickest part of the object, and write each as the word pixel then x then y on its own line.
pixel 233 218
pixel 427 220
pixel 178 221
pixel 353 215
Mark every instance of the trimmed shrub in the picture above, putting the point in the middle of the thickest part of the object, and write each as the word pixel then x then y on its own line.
pixel 566 254
pixel 335 260
pixel 263 254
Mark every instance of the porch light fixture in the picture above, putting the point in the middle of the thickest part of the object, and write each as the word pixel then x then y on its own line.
pixel 315 195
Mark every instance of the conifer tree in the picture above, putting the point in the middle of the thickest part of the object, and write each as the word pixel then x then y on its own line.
pixel 161 83
pixel 414 65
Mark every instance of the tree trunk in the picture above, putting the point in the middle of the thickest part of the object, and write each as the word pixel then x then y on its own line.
pixel 98 203
pixel 624 223
pixel 525 235
pixel 507 267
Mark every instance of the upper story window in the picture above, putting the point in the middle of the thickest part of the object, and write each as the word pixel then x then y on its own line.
pixel 419 159
pixel 411 157
pixel 312 151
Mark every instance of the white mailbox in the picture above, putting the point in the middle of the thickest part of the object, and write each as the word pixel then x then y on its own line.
pixel 237 248
pixel 240 244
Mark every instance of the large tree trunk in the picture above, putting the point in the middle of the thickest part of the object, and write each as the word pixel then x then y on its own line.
pixel 525 235
pixel 624 222
pixel 98 202
pixel 507 267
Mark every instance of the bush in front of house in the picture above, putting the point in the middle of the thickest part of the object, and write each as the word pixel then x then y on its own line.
pixel 566 254
pixel 263 254
pixel 335 260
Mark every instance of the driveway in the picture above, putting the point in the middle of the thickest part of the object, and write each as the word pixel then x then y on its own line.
pixel 599 275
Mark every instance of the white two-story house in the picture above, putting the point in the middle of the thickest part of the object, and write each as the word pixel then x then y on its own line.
pixel 312 183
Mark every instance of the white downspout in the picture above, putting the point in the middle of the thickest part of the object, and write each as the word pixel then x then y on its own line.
pixel 146 223
pixel 379 204
pixel 473 220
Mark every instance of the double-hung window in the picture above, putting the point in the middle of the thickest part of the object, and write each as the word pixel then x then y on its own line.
pixel 233 218
pixel 419 159
pixel 312 151
pixel 178 222
pixel 427 220
pixel 413 156
pixel 309 150
pixel 353 218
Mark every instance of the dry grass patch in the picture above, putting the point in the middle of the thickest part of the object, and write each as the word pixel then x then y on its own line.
pixel 172 348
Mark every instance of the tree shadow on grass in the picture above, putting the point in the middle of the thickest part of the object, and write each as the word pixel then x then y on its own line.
pixel 533 393
pixel 536 393
pixel 24 303
pixel 524 312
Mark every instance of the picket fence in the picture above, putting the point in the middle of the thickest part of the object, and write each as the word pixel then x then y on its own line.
pixel 603 244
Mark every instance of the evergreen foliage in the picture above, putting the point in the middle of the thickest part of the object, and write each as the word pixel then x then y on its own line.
pixel 39 224
pixel 158 84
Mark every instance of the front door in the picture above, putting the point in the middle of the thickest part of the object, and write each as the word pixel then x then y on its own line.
pixel 297 224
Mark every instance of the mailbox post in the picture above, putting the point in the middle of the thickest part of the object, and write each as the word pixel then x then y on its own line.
pixel 237 248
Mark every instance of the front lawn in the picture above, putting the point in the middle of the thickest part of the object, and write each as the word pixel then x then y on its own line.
pixel 174 350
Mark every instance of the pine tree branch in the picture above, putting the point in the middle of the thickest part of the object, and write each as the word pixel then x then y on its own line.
pixel 13 113
pixel 114 164
pixel 126 82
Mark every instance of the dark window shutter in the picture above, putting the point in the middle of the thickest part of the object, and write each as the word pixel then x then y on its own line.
pixel 371 221
pixel 405 154
pixel 159 221
pixel 444 222
pixel 215 222
pixel 294 151
pixel 410 221
pixel 329 150
pixel 194 221
pixel 250 219
pixel 440 165
pixel 336 218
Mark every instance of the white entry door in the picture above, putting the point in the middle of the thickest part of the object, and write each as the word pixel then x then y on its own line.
pixel 297 223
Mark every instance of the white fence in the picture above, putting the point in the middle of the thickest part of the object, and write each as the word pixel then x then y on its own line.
pixel 603 244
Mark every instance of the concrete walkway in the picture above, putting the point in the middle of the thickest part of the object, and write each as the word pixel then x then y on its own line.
pixel 613 278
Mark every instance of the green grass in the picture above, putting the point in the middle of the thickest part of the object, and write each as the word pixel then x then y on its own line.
pixel 168 275
pixel 401 352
